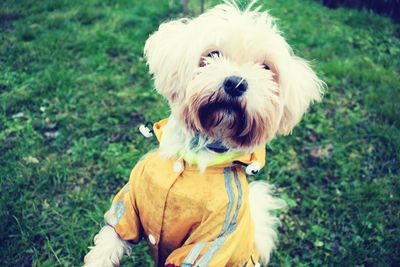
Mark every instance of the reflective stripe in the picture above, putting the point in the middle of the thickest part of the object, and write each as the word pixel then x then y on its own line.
pixel 193 254
pixel 115 213
pixel 231 196
pixel 217 244
pixel 195 251
pixel 239 203
pixel 211 251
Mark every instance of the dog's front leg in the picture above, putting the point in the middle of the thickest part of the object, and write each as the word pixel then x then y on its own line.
pixel 108 249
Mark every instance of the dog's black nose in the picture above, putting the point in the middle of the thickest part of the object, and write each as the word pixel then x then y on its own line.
pixel 235 86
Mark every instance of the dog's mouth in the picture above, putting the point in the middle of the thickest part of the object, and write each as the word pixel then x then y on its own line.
pixel 227 114
pixel 225 120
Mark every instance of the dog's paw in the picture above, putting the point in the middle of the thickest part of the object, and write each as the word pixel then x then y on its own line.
pixel 108 250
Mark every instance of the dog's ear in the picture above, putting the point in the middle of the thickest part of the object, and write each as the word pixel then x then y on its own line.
pixel 167 59
pixel 299 86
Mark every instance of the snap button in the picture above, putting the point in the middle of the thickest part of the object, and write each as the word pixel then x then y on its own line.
pixel 152 239
pixel 178 166
pixel 146 131
pixel 253 168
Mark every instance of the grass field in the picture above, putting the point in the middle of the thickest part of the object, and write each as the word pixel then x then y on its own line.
pixel 74 88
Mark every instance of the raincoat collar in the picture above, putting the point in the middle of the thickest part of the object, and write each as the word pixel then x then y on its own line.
pixel 222 159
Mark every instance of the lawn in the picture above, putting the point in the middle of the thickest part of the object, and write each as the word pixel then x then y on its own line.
pixel 74 87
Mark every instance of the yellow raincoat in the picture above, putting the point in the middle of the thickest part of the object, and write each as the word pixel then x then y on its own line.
pixel 188 218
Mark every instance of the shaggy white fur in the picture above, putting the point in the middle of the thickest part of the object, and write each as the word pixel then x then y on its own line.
pixel 262 206
pixel 108 249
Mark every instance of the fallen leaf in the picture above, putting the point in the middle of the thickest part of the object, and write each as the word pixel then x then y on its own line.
pixel 31 159
pixel 51 135
pixel 321 151
pixel 318 243
pixel 18 115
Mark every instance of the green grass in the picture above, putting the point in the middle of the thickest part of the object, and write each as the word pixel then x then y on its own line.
pixel 74 87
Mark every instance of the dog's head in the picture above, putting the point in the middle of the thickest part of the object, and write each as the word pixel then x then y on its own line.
pixel 229 75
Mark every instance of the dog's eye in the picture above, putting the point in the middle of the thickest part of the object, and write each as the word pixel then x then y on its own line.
pixel 265 66
pixel 214 53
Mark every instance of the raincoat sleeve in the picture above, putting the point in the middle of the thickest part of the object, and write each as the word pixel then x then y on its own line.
pixel 123 214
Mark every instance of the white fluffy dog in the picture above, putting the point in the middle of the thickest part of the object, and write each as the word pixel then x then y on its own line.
pixel 233 83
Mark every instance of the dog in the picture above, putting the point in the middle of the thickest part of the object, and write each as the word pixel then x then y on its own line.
pixel 232 83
